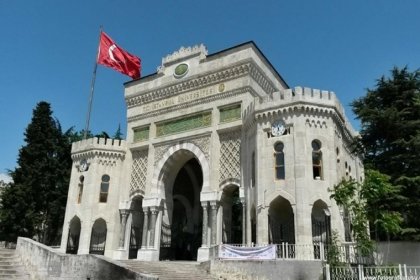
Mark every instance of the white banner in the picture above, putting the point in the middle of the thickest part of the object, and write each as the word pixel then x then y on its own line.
pixel 267 252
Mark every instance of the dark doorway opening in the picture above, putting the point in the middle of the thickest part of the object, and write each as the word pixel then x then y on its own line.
pixel 232 215
pixel 181 235
pixel 74 236
pixel 136 231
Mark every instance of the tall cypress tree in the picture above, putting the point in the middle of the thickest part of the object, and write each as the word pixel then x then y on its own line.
pixel 33 205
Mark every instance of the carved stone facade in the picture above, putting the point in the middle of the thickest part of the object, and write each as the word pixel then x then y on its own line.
pixel 218 149
pixel 230 150
pixel 138 172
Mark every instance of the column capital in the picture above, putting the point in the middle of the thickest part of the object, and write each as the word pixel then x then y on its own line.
pixel 124 212
pixel 213 204
pixel 205 204
pixel 154 210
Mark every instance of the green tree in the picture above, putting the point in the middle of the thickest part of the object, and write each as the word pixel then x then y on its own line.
pixel 118 134
pixel 103 134
pixel 390 137
pixel 348 195
pixel 366 203
pixel 33 205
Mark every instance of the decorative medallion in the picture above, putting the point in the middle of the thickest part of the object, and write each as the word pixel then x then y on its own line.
pixel 278 128
pixel 84 165
pixel 181 70
pixel 221 87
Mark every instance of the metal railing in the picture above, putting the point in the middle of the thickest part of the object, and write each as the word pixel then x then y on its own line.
pixel 345 253
pixel 360 272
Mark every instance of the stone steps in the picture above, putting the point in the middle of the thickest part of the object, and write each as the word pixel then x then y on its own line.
pixel 11 266
pixel 171 270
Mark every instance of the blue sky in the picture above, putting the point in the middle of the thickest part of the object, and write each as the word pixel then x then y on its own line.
pixel 48 49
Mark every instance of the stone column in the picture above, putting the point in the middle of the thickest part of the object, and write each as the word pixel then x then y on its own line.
pixel 154 211
pixel 204 243
pixel 124 215
pixel 243 221
pixel 145 228
pixel 213 206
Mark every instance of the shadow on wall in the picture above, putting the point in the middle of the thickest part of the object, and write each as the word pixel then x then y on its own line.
pixel 397 252
pixel 46 263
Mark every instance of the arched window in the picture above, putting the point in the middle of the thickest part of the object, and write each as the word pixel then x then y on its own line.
pixel 98 237
pixel 79 196
pixel 317 160
pixel 337 151
pixel 279 160
pixel 103 194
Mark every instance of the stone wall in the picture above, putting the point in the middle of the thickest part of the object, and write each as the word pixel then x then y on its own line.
pixel 44 263
pixel 398 252
pixel 267 270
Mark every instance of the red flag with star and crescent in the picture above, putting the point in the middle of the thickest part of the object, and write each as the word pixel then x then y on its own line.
pixel 111 55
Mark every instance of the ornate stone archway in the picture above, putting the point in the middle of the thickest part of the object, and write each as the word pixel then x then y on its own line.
pixel 169 160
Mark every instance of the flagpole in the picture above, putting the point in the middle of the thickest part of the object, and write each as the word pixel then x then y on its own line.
pixel 92 88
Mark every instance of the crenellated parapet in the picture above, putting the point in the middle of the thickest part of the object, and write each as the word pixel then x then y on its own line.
pixel 305 100
pixel 99 147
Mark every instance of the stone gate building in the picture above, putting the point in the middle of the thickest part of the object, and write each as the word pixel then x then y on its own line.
pixel 219 149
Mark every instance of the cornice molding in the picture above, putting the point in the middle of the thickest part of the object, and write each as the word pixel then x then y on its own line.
pixel 208 99
pixel 93 153
pixel 209 79
pixel 306 109
pixel 189 85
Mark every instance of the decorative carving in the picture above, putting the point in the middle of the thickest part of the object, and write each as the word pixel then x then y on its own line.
pixel 203 143
pixel 107 162
pixel 185 52
pixel 230 143
pixel 183 124
pixel 159 151
pixel 189 85
pixel 229 114
pixel 103 155
pixel 141 134
pixel 139 172
pixel 262 80
pixel 208 99
pixel 315 123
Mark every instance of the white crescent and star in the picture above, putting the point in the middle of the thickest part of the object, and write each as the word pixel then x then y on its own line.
pixel 111 55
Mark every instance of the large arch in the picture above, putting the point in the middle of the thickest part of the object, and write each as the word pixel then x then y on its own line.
pixel 74 236
pixel 170 159
pixel 179 182
pixel 98 237
pixel 281 221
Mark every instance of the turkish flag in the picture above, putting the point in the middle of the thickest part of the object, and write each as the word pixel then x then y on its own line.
pixel 111 55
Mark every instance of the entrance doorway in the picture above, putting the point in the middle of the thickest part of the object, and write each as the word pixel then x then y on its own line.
pixel 182 222
pixel 136 232
pixel 281 222
pixel 98 237
pixel 74 235
pixel 321 227
pixel 232 215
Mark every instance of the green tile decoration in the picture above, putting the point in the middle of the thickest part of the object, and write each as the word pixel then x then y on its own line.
pixel 184 124
pixel 141 134
pixel 230 113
